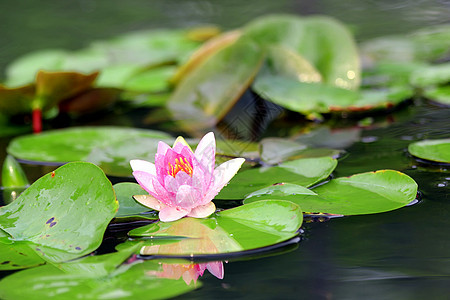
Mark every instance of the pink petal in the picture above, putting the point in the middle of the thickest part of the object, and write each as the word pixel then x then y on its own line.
pixel 162 194
pixel 202 211
pixel 169 214
pixel 206 152
pixel 149 201
pixel 172 184
pixel 142 165
pixel 145 180
pixel 223 174
pixel 162 148
pixel 216 268
pixel 182 141
pixel 187 197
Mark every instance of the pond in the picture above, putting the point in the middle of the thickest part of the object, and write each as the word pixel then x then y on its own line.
pixel 398 254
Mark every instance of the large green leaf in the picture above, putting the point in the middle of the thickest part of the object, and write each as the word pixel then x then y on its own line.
pixel 64 213
pixel 23 70
pixel 434 150
pixel 364 193
pixel 306 172
pixel 114 158
pixel 94 277
pixel 209 91
pixel 238 229
pixel 440 94
pixel 322 41
pixel 307 98
pixel 60 146
pixel 431 75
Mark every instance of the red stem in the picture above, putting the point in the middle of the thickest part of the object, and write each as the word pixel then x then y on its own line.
pixel 37 120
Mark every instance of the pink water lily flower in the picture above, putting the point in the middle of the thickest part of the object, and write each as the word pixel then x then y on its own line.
pixel 181 182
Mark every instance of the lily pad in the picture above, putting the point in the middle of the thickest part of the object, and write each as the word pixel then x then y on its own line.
pixel 238 229
pixel 43 217
pixel 305 172
pixel 23 70
pixel 308 98
pixel 431 75
pixel 322 41
pixel 433 150
pixel 439 94
pixel 208 92
pixel 94 277
pixel 364 193
pixel 128 207
pixel 74 144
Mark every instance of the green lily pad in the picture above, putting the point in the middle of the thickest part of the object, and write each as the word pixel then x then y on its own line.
pixel 431 75
pixel 76 195
pixel 209 91
pixel 128 207
pixel 364 193
pixel 23 70
pixel 94 277
pixel 322 41
pixel 433 150
pixel 74 144
pixel 305 172
pixel 150 81
pixel 440 94
pixel 307 98
pixel 238 229
pixel 13 174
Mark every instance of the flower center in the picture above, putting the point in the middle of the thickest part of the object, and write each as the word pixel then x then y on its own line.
pixel 181 164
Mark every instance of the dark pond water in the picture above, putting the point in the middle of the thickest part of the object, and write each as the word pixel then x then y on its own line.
pixel 404 254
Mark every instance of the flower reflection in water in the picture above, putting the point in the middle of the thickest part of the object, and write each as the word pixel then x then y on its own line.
pixel 189 272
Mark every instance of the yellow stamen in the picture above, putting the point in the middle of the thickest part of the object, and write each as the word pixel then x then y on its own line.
pixel 181 164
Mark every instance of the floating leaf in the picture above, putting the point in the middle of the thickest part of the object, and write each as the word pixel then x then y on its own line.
pixel 431 75
pixel 289 63
pixel 16 100
pixel 23 70
pixel 206 50
pixel 76 195
pixel 128 207
pixel 306 172
pixel 73 144
pixel 94 277
pixel 238 229
pixel 439 94
pixel 308 98
pixel 151 80
pixel 322 41
pixel 209 91
pixel 53 87
pixel 364 193
pixel 13 174
pixel 433 150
